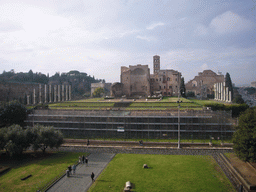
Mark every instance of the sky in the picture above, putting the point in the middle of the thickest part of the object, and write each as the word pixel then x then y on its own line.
pixel 98 36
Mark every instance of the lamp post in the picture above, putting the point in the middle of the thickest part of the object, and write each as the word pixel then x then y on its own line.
pixel 179 117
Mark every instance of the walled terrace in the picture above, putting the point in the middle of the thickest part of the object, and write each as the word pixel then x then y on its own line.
pixel 137 124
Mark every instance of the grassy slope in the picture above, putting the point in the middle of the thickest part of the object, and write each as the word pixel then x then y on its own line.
pixel 165 173
pixel 42 171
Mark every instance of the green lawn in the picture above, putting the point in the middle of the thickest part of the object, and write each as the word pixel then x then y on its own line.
pixel 42 171
pixel 165 173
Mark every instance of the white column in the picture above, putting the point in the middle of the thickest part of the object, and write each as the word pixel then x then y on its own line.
pixel 66 92
pixel 34 96
pixel 50 93
pixel 45 93
pixel 40 94
pixel 63 93
pixel 55 93
pixel 28 97
pixel 69 93
pixel 59 93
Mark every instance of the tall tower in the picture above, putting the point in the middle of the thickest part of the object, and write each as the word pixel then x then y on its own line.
pixel 156 64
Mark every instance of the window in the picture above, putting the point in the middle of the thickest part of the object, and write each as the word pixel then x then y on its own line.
pixel 160 79
pixel 170 87
pixel 159 87
pixel 164 87
pixel 156 79
pixel 168 78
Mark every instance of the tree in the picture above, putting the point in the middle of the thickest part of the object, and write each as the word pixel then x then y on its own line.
pixel 98 92
pixel 13 113
pixel 244 138
pixel 2 139
pixel 228 83
pixel 47 137
pixel 182 87
pixel 16 140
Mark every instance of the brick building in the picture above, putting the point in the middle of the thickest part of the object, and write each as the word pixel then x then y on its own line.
pixel 136 80
pixel 203 84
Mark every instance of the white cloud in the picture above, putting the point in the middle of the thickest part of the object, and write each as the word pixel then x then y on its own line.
pixel 146 38
pixel 230 22
pixel 154 25
pixel 201 30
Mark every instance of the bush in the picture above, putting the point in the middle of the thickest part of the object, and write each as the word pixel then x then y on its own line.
pixel 190 94
pixel 13 113
pixel 244 138
pixel 14 139
pixel 236 109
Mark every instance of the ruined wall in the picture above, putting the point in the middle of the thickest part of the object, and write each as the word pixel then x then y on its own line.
pixel 205 80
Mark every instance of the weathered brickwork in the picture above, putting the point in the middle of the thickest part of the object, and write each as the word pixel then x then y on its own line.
pixel 136 80
pixel 203 84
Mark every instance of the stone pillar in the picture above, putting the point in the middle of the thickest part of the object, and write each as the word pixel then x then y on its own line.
pixel 66 92
pixel 50 93
pixel 34 96
pixel 221 91
pixel 217 92
pixel 59 93
pixel 40 94
pixel 55 93
pixel 45 93
pixel 229 97
pixel 69 93
pixel 226 94
pixel 214 87
pixel 63 93
pixel 224 91
pixel 28 100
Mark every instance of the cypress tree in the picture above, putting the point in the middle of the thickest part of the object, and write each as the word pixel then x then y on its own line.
pixel 229 84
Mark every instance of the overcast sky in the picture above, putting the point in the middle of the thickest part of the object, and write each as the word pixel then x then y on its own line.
pixel 98 37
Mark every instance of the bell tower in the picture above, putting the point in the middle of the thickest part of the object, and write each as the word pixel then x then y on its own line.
pixel 156 64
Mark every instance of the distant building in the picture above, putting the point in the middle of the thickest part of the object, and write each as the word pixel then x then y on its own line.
pixel 105 86
pixel 136 80
pixel 203 84
pixel 253 84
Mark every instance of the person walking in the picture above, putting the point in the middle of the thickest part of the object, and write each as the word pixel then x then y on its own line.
pixel 74 169
pixel 92 176
pixel 86 161
pixel 80 160
pixel 69 169
pixel 83 159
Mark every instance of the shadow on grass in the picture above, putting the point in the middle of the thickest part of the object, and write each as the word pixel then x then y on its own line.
pixel 105 181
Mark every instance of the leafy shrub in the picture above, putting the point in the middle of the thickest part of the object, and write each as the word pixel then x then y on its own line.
pixel 244 138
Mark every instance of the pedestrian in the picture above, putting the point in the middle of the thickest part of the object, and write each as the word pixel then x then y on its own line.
pixel 80 160
pixel 92 176
pixel 88 142
pixel 69 169
pixel 86 161
pixel 83 159
pixel 74 168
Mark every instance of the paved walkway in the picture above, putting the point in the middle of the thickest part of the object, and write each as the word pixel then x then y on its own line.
pixel 81 181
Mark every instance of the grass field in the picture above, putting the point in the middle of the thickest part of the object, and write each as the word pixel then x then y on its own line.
pixel 42 171
pixel 165 173
pixel 166 103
